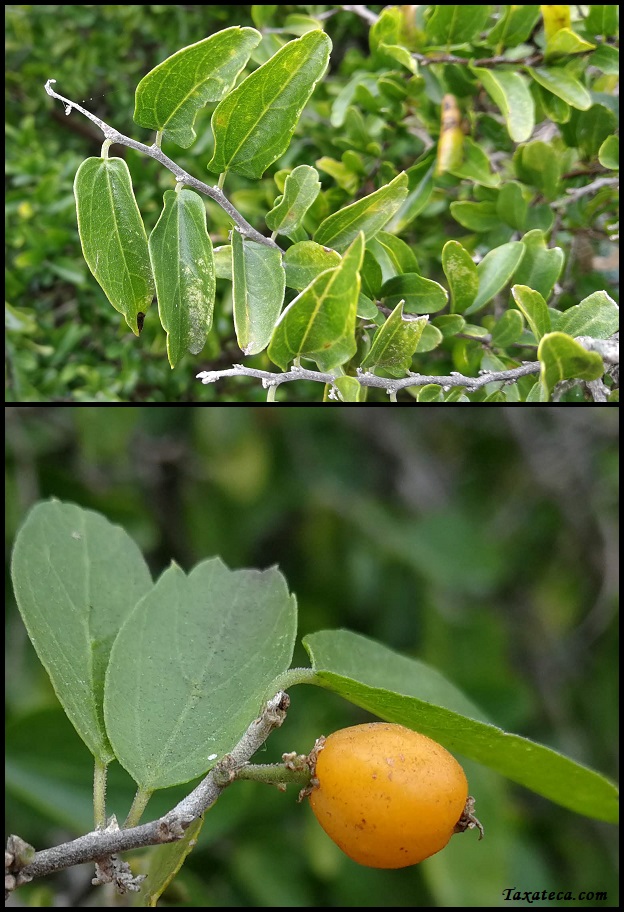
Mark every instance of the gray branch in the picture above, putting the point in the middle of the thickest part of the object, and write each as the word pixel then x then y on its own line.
pixel 366 379
pixel 101 843
pixel 179 173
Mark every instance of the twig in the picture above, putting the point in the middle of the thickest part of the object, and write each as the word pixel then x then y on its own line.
pixel 22 865
pixel 575 193
pixel 366 379
pixel 179 173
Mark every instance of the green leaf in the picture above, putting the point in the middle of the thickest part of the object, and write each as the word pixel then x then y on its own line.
pixel 392 254
pixel 511 95
pixel 421 296
pixel 430 339
pixel 597 316
pixel 508 329
pixel 350 389
pixel 514 26
pixel 257 291
pixel 172 701
pixel 449 324
pixel 563 84
pixel 566 42
pixel 171 94
pixel 541 266
pixel 183 264
pixel 300 190
pixel 511 205
pixel 253 125
pixel 534 308
pixel 76 578
pixel 395 343
pixel 609 153
pixel 449 25
pixel 475 216
pixel 606 58
pixel 403 690
pixel 475 166
pixel 419 190
pixel 223 262
pixel 305 260
pixel 593 128
pixel 495 271
pixel 602 20
pixel 369 215
pixel 112 234
pixel 320 323
pixel 538 164
pixel 564 359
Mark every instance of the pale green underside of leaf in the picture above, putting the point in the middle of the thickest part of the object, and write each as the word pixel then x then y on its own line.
pixel 320 323
pixel 171 94
pixel 172 701
pixel 369 215
pixel 401 689
pixel 509 91
pixel 76 578
pixel 257 290
pixel 253 125
pixel 183 264
pixel 112 234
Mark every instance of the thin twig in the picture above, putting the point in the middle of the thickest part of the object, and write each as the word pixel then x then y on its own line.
pixel 101 843
pixel 575 193
pixel 179 173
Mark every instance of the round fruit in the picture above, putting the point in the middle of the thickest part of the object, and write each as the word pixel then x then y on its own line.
pixel 386 795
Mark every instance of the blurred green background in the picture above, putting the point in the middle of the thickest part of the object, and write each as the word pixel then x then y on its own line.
pixel 485 548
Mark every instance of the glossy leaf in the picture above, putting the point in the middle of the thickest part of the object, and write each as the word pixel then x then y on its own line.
pixel 562 358
pixel 495 270
pixel 511 95
pixel 300 190
pixel 450 25
pixel 563 84
pixel 253 125
pixel 539 165
pixel 430 339
pixel 368 214
pixel 597 315
pixel 564 43
pixel 320 323
pixel 395 343
pixel 609 153
pixel 76 578
pixel 171 94
pixel 392 254
pixel 173 701
pixel 350 389
pixel 511 205
pixel 419 190
pixel 534 308
pixel 422 296
pixel 112 234
pixel 541 266
pixel 183 263
pixel 508 329
pixel 257 291
pixel 461 274
pixel 514 26
pixel 475 166
pixel 306 260
pixel 475 216
pixel 602 20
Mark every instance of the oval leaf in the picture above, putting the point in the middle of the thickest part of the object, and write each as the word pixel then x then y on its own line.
pixel 369 215
pixel 461 274
pixel 76 578
pixel 562 84
pixel 534 308
pixel 563 358
pixel 258 292
pixel 173 701
pixel 183 263
pixel 395 342
pixel 305 260
pixel 320 322
pixel 495 270
pixel 300 190
pixel 171 94
pixel 511 95
pixel 253 126
pixel 112 234
pixel 422 296
pixel 597 316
